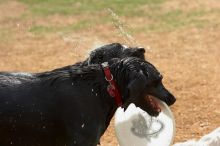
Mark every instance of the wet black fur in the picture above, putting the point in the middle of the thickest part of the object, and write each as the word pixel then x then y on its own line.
pixel 114 50
pixel 25 81
pixel 110 51
pixel 70 106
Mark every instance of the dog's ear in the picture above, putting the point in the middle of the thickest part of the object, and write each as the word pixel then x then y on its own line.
pixel 139 52
pixel 136 84
pixel 134 52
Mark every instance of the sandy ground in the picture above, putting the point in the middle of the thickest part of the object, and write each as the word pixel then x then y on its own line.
pixel 188 59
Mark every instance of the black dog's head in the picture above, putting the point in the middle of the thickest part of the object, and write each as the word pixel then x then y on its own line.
pixel 142 79
pixel 114 50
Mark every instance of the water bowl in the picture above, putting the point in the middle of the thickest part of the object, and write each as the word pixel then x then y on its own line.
pixel 135 127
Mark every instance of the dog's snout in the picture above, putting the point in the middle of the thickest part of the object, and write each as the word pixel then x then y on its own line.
pixel 170 100
pixel 163 94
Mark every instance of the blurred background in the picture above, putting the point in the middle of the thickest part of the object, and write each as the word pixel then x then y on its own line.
pixel 181 37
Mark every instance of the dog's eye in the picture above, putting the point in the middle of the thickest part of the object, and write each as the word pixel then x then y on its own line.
pixel 153 83
pixel 156 82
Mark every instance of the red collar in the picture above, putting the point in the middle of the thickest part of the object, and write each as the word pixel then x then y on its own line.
pixel 112 88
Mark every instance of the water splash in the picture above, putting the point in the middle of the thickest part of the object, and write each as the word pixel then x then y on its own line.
pixel 121 28
pixel 80 44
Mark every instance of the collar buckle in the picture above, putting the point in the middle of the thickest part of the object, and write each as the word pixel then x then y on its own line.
pixel 112 88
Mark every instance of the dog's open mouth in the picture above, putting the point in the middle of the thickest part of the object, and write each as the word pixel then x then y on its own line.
pixel 153 104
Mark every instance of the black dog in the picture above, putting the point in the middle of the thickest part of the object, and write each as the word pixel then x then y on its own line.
pixel 114 50
pixel 110 51
pixel 72 106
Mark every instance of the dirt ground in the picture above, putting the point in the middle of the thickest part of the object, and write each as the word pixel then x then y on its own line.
pixel 187 57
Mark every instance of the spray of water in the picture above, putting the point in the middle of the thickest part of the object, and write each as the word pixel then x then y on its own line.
pixel 121 28
pixel 79 41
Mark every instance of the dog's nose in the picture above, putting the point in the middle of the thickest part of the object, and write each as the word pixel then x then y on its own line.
pixel 170 100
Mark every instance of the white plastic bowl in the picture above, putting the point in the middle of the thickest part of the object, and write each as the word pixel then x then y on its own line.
pixel 134 127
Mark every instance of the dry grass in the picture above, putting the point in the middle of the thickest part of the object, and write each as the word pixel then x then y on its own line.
pixel 187 56
pixel 185 5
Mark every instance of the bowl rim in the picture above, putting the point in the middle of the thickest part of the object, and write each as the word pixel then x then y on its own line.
pixel 171 115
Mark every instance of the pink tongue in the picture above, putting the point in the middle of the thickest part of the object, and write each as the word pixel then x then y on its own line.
pixel 153 103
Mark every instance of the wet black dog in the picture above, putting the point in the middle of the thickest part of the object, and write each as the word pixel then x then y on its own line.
pixel 114 50
pixel 110 51
pixel 71 106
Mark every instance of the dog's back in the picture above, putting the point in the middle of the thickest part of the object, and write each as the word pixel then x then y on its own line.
pixel 13 84
pixel 22 112
pixel 33 107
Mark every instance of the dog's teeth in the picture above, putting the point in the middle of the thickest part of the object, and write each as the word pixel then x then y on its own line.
pixel 158 110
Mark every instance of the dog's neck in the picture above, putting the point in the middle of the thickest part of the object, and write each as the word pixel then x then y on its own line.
pixel 112 88
pixel 120 75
